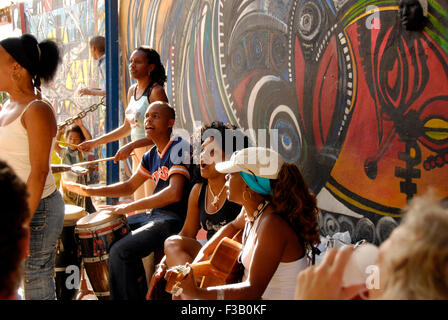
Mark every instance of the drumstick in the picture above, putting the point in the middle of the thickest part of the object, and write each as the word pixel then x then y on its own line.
pixel 97 161
pixel 68 144
pixel 94 161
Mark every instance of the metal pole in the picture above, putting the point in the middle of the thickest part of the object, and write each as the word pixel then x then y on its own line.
pixel 112 93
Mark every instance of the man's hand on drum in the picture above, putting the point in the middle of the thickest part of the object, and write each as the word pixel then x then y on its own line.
pixel 80 189
pixel 119 209
pixel 88 145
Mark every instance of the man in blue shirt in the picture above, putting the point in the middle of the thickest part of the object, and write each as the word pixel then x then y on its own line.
pixel 168 164
pixel 97 46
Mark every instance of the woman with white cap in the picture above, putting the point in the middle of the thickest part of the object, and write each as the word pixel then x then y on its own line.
pixel 279 222
pixel 27 134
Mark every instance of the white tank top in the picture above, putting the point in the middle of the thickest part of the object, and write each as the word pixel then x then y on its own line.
pixel 135 114
pixel 283 283
pixel 14 150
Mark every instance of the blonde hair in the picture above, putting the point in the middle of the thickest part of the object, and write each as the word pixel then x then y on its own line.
pixel 418 266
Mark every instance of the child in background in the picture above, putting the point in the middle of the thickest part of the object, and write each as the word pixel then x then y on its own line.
pixel 70 155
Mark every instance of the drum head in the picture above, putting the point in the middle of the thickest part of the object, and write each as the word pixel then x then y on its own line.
pixel 96 219
pixel 72 214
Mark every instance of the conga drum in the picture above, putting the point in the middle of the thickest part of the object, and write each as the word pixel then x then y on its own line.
pixel 67 253
pixel 96 234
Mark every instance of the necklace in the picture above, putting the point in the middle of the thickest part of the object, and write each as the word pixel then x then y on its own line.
pixel 259 210
pixel 216 197
pixel 250 222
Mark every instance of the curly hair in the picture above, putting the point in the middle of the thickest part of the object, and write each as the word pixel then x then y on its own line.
pixel 15 213
pixel 75 128
pixel 158 75
pixel 417 266
pixel 294 201
pixel 232 139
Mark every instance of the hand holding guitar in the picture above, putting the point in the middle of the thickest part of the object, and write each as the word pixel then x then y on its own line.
pixel 157 275
pixel 180 280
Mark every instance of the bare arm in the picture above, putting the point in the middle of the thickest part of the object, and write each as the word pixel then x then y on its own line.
pixel 57 148
pixel 84 130
pixel 229 230
pixel 192 221
pixel 121 132
pixel 92 92
pixel 40 124
pixel 114 190
pixel 171 194
pixel 125 151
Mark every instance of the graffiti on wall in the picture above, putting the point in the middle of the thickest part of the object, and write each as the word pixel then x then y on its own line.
pixel 360 103
pixel 71 23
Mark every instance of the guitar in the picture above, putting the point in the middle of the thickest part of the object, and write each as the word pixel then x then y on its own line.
pixel 222 268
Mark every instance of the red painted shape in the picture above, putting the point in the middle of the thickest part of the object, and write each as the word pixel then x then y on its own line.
pixel 325 94
pixel 240 91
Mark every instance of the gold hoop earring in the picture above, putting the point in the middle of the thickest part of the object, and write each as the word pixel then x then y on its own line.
pixel 244 198
pixel 250 195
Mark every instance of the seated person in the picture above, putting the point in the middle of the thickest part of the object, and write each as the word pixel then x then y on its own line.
pixel 167 163
pixel 75 135
pixel 14 231
pixel 412 261
pixel 208 205
pixel 279 217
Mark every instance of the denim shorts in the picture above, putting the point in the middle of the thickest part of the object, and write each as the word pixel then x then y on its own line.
pixel 46 226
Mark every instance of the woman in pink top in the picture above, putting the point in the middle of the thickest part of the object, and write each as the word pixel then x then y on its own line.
pixel 27 134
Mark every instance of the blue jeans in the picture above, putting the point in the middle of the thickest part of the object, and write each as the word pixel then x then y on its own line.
pixel 126 272
pixel 46 226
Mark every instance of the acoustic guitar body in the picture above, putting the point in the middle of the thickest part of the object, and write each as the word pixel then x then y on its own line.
pixel 222 268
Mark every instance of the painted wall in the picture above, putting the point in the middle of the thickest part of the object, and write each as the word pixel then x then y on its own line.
pixel 360 104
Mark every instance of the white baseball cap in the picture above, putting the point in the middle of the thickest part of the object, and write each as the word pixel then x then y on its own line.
pixel 259 161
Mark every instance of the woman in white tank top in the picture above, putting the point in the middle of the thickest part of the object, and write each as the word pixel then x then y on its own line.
pixel 279 222
pixel 145 67
pixel 27 132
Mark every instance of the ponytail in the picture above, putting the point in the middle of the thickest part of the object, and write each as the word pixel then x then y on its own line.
pixel 49 60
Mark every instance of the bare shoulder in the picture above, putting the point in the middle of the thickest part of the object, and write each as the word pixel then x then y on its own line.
pixel 40 108
pixel 196 190
pixel 273 224
pixel 158 93
pixel 39 114
pixel 132 89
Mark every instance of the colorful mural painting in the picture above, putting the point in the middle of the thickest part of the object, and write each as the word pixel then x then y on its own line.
pixel 359 102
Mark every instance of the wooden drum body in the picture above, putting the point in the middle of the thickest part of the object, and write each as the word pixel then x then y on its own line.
pixel 96 234
pixel 67 252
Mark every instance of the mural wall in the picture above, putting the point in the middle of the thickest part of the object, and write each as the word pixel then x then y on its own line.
pixel 360 103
